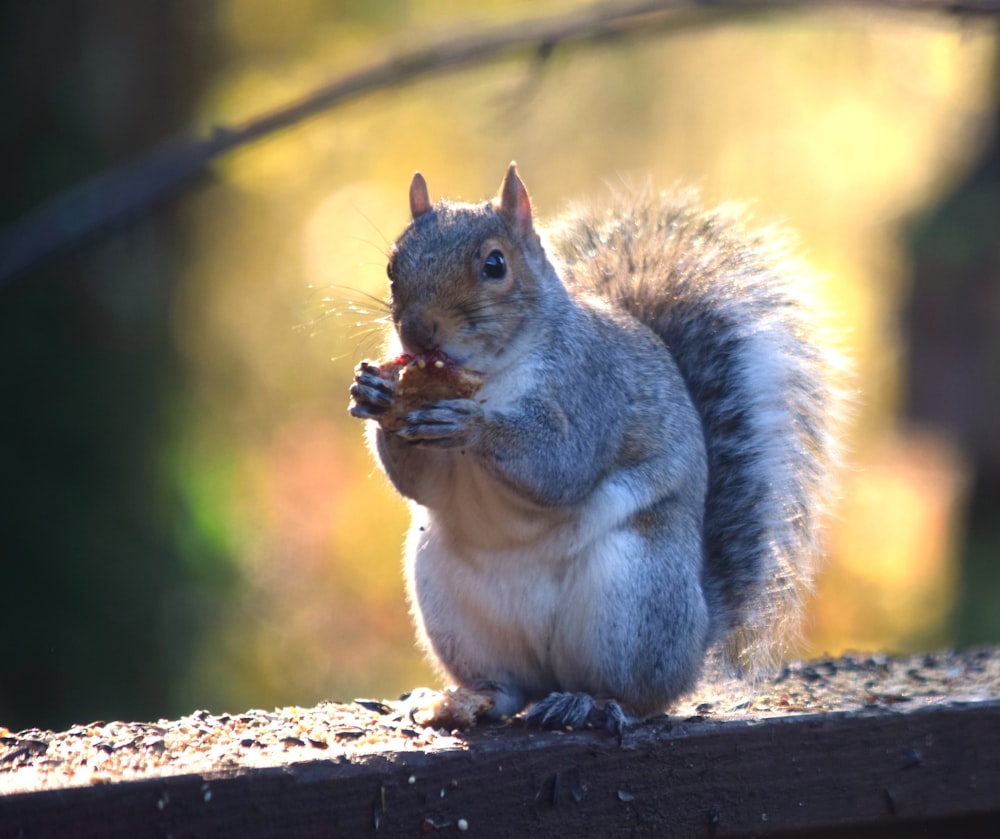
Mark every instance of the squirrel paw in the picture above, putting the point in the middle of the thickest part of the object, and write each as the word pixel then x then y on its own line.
pixel 371 395
pixel 578 710
pixel 447 423
pixel 508 699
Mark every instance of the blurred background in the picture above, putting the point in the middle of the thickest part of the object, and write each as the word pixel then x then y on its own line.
pixel 189 518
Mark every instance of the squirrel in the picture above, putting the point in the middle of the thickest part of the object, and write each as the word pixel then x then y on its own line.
pixel 643 475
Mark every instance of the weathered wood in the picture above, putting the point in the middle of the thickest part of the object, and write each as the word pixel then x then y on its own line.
pixel 897 765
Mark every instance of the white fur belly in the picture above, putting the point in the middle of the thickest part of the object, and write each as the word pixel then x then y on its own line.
pixel 504 591
pixel 487 613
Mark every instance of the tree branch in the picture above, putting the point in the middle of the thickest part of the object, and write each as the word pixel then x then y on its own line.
pixel 120 194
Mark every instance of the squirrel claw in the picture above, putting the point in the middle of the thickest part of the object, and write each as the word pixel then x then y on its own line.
pixel 576 711
pixel 371 395
pixel 446 423
pixel 364 410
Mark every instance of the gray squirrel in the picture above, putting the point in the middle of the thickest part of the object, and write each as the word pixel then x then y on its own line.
pixel 641 477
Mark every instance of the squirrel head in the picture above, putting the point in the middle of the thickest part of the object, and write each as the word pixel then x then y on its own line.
pixel 466 279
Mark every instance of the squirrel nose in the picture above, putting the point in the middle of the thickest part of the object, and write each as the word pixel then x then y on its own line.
pixel 419 333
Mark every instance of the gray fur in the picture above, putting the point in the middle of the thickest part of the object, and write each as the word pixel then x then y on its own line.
pixel 732 307
pixel 643 473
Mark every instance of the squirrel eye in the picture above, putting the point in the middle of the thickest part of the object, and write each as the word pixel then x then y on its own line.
pixel 495 266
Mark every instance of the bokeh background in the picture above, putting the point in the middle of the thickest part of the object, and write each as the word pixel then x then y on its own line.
pixel 189 518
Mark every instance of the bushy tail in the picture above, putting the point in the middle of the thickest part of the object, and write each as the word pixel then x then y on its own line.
pixel 729 305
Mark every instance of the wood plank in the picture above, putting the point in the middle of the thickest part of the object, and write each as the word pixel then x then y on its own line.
pixel 898 766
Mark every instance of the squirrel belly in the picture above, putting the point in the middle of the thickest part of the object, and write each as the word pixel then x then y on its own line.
pixel 643 472
pixel 542 594
pixel 532 620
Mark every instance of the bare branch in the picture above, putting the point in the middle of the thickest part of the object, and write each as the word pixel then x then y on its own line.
pixel 114 197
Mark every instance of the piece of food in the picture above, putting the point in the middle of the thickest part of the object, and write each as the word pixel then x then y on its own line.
pixel 422 379
pixel 456 707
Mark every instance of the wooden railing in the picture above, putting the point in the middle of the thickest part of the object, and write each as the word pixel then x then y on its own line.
pixel 859 747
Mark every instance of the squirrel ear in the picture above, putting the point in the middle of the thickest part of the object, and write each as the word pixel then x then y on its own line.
pixel 515 205
pixel 420 200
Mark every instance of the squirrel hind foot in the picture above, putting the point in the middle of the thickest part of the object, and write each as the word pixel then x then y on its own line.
pixel 579 711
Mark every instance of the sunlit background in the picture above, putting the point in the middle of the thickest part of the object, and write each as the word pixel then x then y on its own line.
pixel 190 519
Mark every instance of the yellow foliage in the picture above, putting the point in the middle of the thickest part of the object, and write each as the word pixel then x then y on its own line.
pixel 840 123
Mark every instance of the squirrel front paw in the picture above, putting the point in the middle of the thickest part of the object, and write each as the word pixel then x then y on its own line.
pixel 446 423
pixel 371 394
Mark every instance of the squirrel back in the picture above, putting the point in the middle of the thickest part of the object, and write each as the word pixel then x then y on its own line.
pixel 732 307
